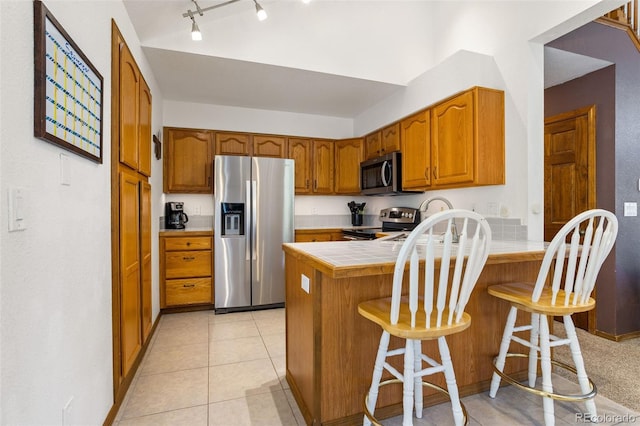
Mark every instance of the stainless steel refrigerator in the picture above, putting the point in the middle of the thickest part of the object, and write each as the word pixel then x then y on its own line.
pixel 253 217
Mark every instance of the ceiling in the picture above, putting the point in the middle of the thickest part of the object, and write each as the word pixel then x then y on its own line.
pixel 561 66
pixel 329 57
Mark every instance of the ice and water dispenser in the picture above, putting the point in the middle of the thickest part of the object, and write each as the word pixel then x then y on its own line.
pixel 232 216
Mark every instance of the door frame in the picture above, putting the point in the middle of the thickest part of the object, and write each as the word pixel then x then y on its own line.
pixel 590 112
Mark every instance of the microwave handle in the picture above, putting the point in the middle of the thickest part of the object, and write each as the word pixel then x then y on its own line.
pixel 386 165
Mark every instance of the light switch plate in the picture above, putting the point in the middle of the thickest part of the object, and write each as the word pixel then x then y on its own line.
pixel 631 209
pixel 17 209
pixel 65 170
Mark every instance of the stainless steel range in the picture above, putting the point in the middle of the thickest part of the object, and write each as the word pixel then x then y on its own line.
pixel 393 219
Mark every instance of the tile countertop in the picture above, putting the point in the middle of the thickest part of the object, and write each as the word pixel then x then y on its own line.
pixel 357 258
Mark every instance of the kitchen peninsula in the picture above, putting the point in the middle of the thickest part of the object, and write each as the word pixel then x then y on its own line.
pixel 330 348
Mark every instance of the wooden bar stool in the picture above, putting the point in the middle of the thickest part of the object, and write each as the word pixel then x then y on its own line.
pixel 433 308
pixel 576 253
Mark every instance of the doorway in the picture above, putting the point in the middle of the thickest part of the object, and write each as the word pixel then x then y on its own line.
pixel 570 176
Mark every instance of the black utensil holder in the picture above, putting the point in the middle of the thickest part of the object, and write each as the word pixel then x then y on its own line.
pixel 356 219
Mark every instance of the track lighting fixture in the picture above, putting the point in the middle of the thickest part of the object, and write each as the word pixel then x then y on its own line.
pixel 195 31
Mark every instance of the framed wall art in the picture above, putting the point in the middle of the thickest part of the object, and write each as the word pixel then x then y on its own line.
pixel 68 90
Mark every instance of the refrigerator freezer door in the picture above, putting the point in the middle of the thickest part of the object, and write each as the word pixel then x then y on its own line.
pixel 273 214
pixel 232 176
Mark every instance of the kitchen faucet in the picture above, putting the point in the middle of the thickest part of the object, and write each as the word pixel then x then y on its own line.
pixel 424 206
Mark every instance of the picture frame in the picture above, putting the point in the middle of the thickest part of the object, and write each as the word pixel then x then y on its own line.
pixel 68 90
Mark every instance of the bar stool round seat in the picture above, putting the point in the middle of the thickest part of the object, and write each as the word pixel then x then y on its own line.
pixel 563 287
pixel 441 277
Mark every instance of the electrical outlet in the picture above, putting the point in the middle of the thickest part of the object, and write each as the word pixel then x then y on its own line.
pixel 304 282
pixel 631 209
pixel 492 209
pixel 314 210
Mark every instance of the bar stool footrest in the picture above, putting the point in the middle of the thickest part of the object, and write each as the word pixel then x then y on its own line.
pixel 442 390
pixel 539 392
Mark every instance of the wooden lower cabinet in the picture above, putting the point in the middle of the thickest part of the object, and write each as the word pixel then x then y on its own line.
pixel 129 250
pixel 316 235
pixel 145 258
pixel 188 291
pixel 186 269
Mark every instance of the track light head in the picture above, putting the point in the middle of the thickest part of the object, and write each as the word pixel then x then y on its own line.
pixel 196 35
pixel 260 12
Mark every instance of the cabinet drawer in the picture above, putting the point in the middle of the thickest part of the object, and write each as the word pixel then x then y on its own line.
pixel 187 243
pixel 188 291
pixel 184 264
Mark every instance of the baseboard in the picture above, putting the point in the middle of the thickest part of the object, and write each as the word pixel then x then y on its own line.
pixel 617 337
pixel 186 308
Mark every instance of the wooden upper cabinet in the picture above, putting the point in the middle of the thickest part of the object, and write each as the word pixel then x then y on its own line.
pixel 323 166
pixel 372 145
pixel 144 140
pixel 233 144
pixel 467 139
pixel 453 145
pixel 390 139
pixel 135 115
pixel 300 151
pixel 270 146
pixel 415 135
pixel 383 141
pixel 129 119
pixel 348 155
pixel 188 161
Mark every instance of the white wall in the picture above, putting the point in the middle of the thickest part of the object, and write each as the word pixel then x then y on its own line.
pixel 55 276
pixel 514 34
pixel 508 39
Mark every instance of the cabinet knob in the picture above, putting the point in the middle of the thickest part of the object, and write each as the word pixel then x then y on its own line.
pixel 188 243
pixel 435 172
pixel 188 258
pixel 190 285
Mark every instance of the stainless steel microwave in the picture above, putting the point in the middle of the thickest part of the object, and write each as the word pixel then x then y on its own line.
pixel 381 175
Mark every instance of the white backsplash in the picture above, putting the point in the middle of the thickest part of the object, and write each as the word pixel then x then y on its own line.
pixel 332 212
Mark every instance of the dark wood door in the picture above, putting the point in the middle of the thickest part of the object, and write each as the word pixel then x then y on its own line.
pixel 569 175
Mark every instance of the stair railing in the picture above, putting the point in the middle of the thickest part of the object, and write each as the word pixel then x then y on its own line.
pixel 625 16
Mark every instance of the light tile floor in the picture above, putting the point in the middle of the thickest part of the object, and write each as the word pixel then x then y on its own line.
pixel 203 369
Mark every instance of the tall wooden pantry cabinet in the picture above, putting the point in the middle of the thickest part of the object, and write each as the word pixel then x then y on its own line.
pixel 130 213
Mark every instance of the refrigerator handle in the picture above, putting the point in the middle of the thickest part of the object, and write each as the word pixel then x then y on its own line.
pixel 248 224
pixel 254 219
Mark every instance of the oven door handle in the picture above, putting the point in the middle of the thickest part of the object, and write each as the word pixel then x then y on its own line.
pixel 386 165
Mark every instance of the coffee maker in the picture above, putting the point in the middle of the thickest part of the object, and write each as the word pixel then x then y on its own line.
pixel 174 215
